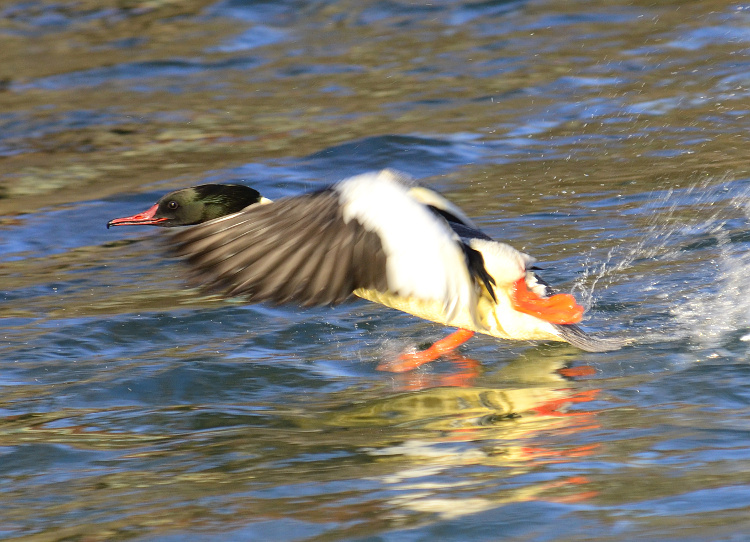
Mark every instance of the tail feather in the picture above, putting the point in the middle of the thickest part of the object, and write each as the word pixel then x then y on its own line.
pixel 590 343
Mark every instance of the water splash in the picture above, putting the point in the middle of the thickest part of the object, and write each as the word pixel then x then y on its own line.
pixel 683 266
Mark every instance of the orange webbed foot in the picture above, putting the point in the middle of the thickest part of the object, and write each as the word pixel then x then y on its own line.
pixel 557 309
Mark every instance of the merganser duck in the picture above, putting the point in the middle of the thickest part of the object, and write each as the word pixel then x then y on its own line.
pixel 379 236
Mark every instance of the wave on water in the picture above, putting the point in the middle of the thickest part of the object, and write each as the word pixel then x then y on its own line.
pixel 683 270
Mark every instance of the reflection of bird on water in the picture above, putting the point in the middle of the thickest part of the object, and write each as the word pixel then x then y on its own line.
pixel 530 386
pixel 379 236
pixel 508 427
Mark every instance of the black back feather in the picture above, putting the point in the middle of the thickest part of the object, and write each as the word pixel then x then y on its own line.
pixel 474 259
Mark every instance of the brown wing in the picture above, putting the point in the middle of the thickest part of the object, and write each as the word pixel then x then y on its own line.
pixel 295 249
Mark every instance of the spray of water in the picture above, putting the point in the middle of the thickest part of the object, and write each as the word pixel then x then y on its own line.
pixel 684 270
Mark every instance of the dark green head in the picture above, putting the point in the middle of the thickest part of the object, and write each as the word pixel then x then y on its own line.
pixel 193 206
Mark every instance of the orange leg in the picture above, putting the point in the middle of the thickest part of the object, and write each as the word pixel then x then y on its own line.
pixel 558 309
pixel 407 362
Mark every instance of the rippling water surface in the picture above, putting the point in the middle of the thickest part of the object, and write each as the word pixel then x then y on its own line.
pixel 609 139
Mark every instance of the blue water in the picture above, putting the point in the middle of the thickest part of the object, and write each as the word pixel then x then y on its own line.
pixel 609 141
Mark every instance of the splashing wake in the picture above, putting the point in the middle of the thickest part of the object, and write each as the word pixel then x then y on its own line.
pixel 683 270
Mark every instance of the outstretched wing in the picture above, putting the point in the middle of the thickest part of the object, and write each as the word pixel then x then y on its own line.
pixel 295 249
pixel 317 248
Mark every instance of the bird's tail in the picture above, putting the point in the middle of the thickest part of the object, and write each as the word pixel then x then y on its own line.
pixel 590 343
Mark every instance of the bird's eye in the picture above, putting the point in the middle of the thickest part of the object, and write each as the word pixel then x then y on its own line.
pixel 173 204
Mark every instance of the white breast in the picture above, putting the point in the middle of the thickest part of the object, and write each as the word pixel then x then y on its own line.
pixel 423 255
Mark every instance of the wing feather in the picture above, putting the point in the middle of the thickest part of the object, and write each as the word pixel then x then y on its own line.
pixel 260 266
pixel 296 249
pixel 365 232
pixel 292 277
pixel 424 259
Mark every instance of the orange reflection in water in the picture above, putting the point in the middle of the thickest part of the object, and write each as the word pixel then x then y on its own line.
pixel 520 423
